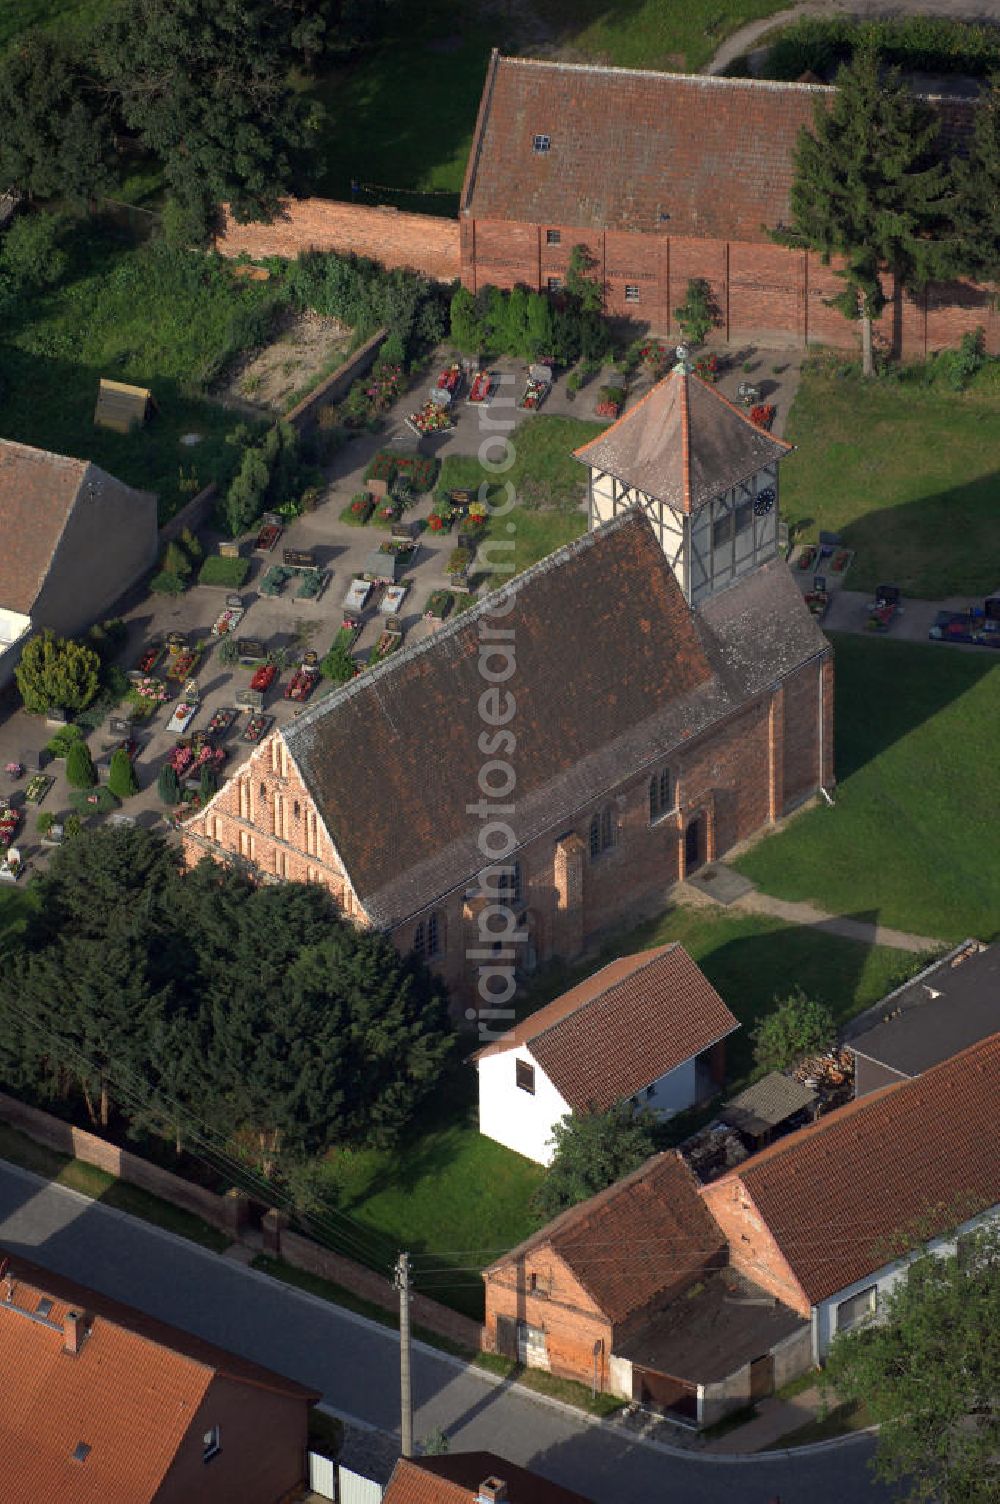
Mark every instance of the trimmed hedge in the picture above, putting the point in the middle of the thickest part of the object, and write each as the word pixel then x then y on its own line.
pixel 219 571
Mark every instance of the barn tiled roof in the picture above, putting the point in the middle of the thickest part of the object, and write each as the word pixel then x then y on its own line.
pixel 683 154
pixel 911 1160
pixel 683 443
pixel 38 491
pixel 455 1479
pixel 623 1028
pixel 129 1395
pixel 628 1246
pixel 392 759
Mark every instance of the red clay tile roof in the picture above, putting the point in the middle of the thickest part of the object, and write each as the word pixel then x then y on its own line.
pixel 455 1479
pixel 38 491
pixel 392 761
pixel 918 1157
pixel 623 1028
pixel 682 154
pixel 629 1246
pixel 683 443
pixel 129 1395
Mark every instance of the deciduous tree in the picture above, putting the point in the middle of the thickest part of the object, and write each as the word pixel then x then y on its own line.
pixel 797 1025
pixel 929 1373
pixel 871 189
pixel 592 1151
pixel 55 141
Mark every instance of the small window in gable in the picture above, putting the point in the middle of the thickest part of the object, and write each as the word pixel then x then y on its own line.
pixel 524 1076
pixel 541 143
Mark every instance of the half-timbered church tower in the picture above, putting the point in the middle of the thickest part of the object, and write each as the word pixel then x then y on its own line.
pixel 703 474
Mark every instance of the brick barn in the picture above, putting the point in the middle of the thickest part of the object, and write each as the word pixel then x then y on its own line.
pixel 667 177
pixel 668 696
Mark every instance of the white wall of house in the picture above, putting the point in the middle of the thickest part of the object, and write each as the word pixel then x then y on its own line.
pixel 14 631
pixel 671 1093
pixel 882 1281
pixel 521 1120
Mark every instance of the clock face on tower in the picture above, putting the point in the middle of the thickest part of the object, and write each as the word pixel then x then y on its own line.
pixel 763 501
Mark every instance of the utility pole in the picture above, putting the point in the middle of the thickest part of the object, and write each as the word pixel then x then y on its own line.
pixel 406 1400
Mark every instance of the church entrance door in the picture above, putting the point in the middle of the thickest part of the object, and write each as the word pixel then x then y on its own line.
pixel 694 845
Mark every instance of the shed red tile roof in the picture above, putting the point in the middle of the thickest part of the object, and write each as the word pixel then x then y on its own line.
pixel 38 491
pixel 683 443
pixel 129 1395
pixel 455 1479
pixel 623 1028
pixel 914 1159
pixel 682 154
pixel 646 1236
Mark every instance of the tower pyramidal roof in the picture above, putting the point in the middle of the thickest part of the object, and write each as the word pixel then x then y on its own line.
pixel 683 444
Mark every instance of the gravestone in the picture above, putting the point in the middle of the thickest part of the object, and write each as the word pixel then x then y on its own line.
pixel 229 550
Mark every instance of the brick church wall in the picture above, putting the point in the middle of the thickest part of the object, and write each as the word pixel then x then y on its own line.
pixel 421 241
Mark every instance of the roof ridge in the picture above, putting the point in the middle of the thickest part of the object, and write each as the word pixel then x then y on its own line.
pixel 457 625
pixel 775 85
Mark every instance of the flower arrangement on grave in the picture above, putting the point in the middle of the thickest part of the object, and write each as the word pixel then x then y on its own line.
pixel 654 357
pixel 14 769
pixel 762 414
pixel 435 523
pixel 707 367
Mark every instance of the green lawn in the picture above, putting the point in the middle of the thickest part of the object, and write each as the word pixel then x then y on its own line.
pixel 99 1186
pixel 906 474
pixel 912 840
pixel 167 321
pixel 646 33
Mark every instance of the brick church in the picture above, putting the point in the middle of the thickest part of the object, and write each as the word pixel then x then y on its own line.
pixel 672 695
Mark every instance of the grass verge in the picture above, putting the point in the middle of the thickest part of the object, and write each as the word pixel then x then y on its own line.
pixel 840 1421
pixel 18 1149
pixel 904 472
pixel 918 789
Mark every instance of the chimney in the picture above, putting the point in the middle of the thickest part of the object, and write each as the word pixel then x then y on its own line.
pixel 73 1332
pixel 492 1491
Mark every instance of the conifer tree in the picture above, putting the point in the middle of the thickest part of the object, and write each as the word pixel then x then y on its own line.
pixel 121 777
pixel 870 188
pixel 975 243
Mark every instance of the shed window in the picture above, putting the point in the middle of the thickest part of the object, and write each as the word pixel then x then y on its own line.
pixel 631 292
pixel 524 1075
pixel 857 1309
pixel 213 1444
pixel 553 237
pixel 541 143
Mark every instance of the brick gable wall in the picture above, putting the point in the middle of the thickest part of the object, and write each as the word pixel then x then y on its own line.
pixel 559 1306
pixel 752 1249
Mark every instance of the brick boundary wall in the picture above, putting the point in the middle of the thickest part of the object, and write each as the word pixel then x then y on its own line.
pixel 227 1213
pixel 193 514
pixel 230 1214
pixel 422 242
pixel 304 1254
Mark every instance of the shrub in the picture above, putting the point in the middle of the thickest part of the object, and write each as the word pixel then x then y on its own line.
pixel 45 822
pixel 57 671
pixel 338 665
pixel 219 571
pixel 168 785
pixel 80 770
pixel 229 653
pixel 190 545
pixel 175 560
pixel 72 826
pixel 167 584
pixel 208 783
pixel 121 776
pixel 796 1026
pixel 60 743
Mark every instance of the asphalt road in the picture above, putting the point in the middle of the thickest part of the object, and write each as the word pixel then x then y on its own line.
pixel 355 1365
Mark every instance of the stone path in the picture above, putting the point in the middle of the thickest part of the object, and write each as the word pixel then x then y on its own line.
pixel 835 924
pixel 862 10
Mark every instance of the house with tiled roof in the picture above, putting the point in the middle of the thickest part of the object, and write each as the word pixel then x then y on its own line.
pixel 472 1478
pixel 104 1405
pixel 648 1028
pixel 554 759
pixel 631 1292
pixel 951 1004
pixel 828 1218
pixel 74 539
pixel 667 177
